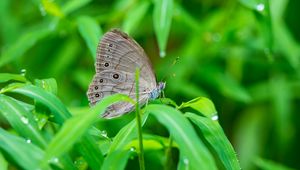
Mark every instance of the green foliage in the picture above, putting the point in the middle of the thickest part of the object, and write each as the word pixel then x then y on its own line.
pixel 233 60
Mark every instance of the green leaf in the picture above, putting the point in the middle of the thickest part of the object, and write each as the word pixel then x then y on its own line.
pixel 24 43
pixel 49 85
pixel 191 148
pixel 26 155
pixel 284 39
pixel 78 125
pixel 264 164
pixel 47 99
pixel 250 136
pixel 201 104
pixel 3 162
pixel 162 19
pixel 225 84
pixel 254 4
pixel 54 104
pixel 64 58
pixel 116 160
pixel 217 140
pixel 52 8
pixel 21 120
pixel 73 5
pixel 4 77
pixel 135 16
pixel 91 32
pixel 125 135
pixel 93 156
pixel 183 16
pixel 281 99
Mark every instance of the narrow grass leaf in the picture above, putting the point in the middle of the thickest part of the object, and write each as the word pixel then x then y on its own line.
pixel 82 78
pixel 218 141
pixel 46 98
pixel 52 8
pixel 201 104
pixel 91 33
pixel 254 4
pixel 190 146
pixel 10 87
pixel 162 19
pixel 26 106
pixel 135 16
pixel 54 104
pixel 93 156
pixel 4 77
pixel 64 58
pixel 3 162
pixel 166 101
pixel 264 164
pixel 125 135
pixel 116 160
pixel 183 16
pixel 225 84
pixel 77 126
pixel 49 85
pixel 24 43
pixel 26 155
pixel 150 142
pixel 281 99
pixel 21 120
pixel 73 5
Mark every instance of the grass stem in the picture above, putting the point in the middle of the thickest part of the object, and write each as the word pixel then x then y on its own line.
pixel 139 122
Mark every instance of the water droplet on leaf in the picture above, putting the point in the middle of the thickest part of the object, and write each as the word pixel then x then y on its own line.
pixel 215 117
pixel 24 120
pixel 104 133
pixel 185 161
pixel 132 149
pixel 260 7
pixel 23 72
pixel 162 54
pixel 54 160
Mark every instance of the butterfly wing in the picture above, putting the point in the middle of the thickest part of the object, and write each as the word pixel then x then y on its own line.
pixel 118 56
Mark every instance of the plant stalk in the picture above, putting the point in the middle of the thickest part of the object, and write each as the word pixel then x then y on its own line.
pixel 139 122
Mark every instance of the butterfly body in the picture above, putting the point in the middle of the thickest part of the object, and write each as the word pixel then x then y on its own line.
pixel 118 56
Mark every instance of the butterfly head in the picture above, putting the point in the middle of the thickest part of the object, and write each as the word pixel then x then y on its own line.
pixel 161 86
pixel 156 92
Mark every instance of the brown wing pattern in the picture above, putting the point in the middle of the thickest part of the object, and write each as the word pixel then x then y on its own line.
pixel 118 56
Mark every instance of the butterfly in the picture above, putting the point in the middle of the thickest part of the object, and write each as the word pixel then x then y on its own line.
pixel 118 56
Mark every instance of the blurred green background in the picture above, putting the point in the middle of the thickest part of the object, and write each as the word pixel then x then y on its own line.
pixel 243 55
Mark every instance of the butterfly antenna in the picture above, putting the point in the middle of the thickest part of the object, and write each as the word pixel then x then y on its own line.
pixel 172 65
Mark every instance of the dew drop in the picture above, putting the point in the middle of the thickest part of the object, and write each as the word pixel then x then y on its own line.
pixel 215 117
pixel 132 149
pixel 54 160
pixel 185 161
pixel 104 133
pixel 24 120
pixel 260 7
pixel 23 72
pixel 162 54
pixel 28 141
